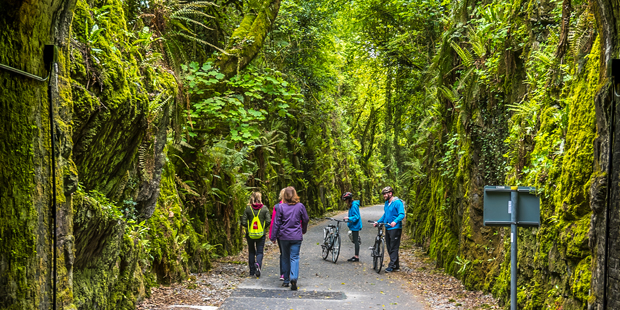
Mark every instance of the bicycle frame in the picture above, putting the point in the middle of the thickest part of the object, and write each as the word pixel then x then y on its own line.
pixel 378 249
pixel 331 234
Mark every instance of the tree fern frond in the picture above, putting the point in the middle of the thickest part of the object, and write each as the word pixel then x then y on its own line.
pixel 178 33
pixel 188 12
pixel 464 80
pixel 544 57
pixel 449 94
pixel 525 109
pixel 200 3
pixel 477 41
pixel 465 55
pixel 192 21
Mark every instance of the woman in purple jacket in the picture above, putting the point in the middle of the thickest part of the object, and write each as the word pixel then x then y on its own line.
pixel 289 225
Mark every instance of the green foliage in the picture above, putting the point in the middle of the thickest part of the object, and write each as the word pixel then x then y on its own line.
pixel 249 99
pixel 434 98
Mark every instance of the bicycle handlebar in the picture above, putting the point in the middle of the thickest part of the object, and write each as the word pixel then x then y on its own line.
pixel 332 219
pixel 379 224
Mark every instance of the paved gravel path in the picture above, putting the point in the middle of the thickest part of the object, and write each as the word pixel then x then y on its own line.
pixel 325 285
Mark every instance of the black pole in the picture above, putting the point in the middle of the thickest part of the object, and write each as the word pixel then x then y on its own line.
pixel 612 127
pixel 512 209
pixel 50 57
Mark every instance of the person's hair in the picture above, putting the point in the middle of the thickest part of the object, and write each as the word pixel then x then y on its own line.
pixel 290 195
pixel 255 198
pixel 281 196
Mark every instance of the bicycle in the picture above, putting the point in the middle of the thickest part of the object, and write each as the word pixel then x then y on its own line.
pixel 331 240
pixel 378 250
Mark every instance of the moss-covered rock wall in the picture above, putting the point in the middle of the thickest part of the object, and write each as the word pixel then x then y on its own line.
pixel 542 120
pixel 25 153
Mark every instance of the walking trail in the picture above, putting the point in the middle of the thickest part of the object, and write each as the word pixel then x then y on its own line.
pixel 325 285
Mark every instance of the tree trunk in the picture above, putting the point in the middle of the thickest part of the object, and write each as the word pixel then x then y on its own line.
pixel 605 224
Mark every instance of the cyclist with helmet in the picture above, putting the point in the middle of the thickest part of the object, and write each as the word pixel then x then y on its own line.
pixel 354 222
pixel 394 213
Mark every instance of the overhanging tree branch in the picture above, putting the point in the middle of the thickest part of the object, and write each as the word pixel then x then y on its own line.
pixel 247 40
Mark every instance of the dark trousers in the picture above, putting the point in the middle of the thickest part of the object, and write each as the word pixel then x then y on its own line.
pixel 356 241
pixel 281 266
pixel 392 242
pixel 255 249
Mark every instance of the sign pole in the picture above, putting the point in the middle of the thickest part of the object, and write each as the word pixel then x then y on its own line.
pixel 512 209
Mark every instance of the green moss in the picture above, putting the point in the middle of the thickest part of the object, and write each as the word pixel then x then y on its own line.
pixel 106 256
pixel 580 282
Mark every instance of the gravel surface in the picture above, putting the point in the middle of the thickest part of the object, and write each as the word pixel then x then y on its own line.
pixel 203 289
pixel 439 290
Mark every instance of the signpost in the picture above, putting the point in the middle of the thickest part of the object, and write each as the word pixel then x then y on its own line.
pixel 511 206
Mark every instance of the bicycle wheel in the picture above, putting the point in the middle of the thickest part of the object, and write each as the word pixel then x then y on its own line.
pixel 336 248
pixel 375 255
pixel 325 248
pixel 380 255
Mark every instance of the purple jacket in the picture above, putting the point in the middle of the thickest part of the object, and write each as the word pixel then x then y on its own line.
pixel 286 224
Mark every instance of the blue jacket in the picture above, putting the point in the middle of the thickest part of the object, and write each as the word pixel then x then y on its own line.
pixel 393 212
pixel 355 220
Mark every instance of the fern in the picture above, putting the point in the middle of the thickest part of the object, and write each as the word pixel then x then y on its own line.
pixel 449 94
pixel 544 57
pixel 477 41
pixel 465 55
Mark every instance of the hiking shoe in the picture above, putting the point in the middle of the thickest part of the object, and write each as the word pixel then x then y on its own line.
pixel 389 269
pixel 257 270
pixel 281 277
pixel 285 284
pixel 353 259
pixel 293 285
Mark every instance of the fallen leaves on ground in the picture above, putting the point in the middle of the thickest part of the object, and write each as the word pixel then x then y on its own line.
pixel 204 289
pixel 439 290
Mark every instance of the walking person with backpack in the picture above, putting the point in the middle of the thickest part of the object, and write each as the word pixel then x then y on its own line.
pixel 394 213
pixel 354 221
pixel 256 219
pixel 273 216
pixel 290 223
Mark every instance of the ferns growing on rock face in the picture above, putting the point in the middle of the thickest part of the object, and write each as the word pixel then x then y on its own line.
pixel 186 28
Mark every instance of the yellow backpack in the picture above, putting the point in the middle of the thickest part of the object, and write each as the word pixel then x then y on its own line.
pixel 255 228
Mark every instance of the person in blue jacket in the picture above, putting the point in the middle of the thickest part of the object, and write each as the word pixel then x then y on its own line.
pixel 354 222
pixel 394 213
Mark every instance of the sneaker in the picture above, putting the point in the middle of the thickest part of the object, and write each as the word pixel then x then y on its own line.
pixel 257 270
pixel 281 277
pixel 285 284
pixel 293 285
pixel 353 259
pixel 389 269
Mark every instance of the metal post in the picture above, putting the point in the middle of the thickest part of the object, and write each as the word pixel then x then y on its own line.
pixel 54 212
pixel 512 209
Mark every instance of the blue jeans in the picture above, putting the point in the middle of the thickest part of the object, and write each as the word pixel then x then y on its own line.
pixel 290 259
pixel 281 266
